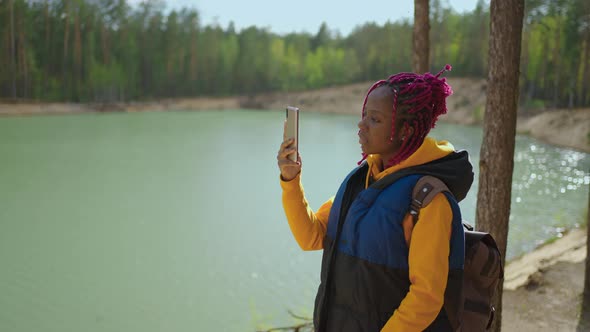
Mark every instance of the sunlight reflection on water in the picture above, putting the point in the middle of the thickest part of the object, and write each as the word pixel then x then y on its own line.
pixel 549 187
pixel 546 183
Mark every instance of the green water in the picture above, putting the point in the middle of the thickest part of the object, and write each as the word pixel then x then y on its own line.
pixel 173 221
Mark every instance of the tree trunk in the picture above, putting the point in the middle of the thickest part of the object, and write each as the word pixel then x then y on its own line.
pixel 66 35
pixel 584 323
pixel 77 74
pixel 65 79
pixel 12 50
pixel 524 63
pixel 47 67
pixel 193 59
pixel 586 76
pixel 499 128
pixel 104 42
pixel 435 54
pixel 557 65
pixel 544 65
pixel 421 40
pixel 77 43
pixel 22 56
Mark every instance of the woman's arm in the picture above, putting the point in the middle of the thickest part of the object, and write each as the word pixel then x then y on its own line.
pixel 308 228
pixel 429 267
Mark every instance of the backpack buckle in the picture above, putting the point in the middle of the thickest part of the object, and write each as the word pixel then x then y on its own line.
pixel 415 207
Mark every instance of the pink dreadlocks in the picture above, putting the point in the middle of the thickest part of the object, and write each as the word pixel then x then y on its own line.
pixel 421 99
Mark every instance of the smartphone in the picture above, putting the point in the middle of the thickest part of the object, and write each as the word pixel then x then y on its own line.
pixel 292 128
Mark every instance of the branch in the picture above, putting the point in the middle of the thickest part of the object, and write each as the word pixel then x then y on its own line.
pixel 298 317
pixel 308 324
pixel 294 328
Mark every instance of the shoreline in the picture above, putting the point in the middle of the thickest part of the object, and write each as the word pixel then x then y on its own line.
pixel 523 270
pixel 564 128
pixel 543 288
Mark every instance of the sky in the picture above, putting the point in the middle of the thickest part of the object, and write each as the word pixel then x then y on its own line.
pixel 304 15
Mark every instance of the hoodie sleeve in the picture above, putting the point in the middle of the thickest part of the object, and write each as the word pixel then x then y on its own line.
pixel 429 266
pixel 308 228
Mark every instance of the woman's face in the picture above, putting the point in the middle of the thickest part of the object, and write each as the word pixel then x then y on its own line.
pixel 375 127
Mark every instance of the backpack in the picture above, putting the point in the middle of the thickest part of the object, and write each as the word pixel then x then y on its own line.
pixel 482 271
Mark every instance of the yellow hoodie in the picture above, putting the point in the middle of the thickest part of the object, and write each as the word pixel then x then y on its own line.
pixel 428 242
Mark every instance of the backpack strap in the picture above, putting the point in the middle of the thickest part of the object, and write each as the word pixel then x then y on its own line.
pixel 424 192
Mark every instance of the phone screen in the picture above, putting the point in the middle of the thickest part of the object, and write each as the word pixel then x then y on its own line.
pixel 292 128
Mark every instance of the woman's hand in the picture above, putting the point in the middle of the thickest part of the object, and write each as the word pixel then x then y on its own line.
pixel 289 168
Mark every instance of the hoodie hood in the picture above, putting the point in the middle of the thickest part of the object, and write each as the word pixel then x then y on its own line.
pixel 438 159
pixel 429 150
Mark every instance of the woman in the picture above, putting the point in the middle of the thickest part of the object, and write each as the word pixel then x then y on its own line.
pixel 386 272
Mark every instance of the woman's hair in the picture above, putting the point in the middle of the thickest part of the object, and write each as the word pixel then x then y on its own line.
pixel 418 101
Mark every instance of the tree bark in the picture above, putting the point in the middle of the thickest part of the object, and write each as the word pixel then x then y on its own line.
pixel 77 44
pixel 524 63
pixel 47 51
pixel 193 58
pixel 104 42
pixel 65 73
pixel 66 33
pixel 584 323
pixel 545 64
pixel 586 76
pixel 499 128
pixel 77 72
pixel 12 50
pixel 421 38
pixel 557 65
pixel 22 57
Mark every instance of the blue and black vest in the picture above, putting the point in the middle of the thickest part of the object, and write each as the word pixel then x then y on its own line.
pixel 365 273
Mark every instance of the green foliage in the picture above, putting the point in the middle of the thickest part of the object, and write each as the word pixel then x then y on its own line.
pixel 534 104
pixel 108 50
pixel 106 82
pixel 478 114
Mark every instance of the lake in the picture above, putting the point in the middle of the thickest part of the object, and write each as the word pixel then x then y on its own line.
pixel 173 221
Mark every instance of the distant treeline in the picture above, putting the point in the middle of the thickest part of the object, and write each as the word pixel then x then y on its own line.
pixel 107 50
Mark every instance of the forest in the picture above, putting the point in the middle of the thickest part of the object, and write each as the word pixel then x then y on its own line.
pixel 111 51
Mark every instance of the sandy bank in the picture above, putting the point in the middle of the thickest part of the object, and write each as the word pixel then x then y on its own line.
pixel 571 248
pixel 558 127
pixel 567 128
pixel 543 289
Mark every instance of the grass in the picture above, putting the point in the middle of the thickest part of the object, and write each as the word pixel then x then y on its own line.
pixel 478 114
pixel 551 240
